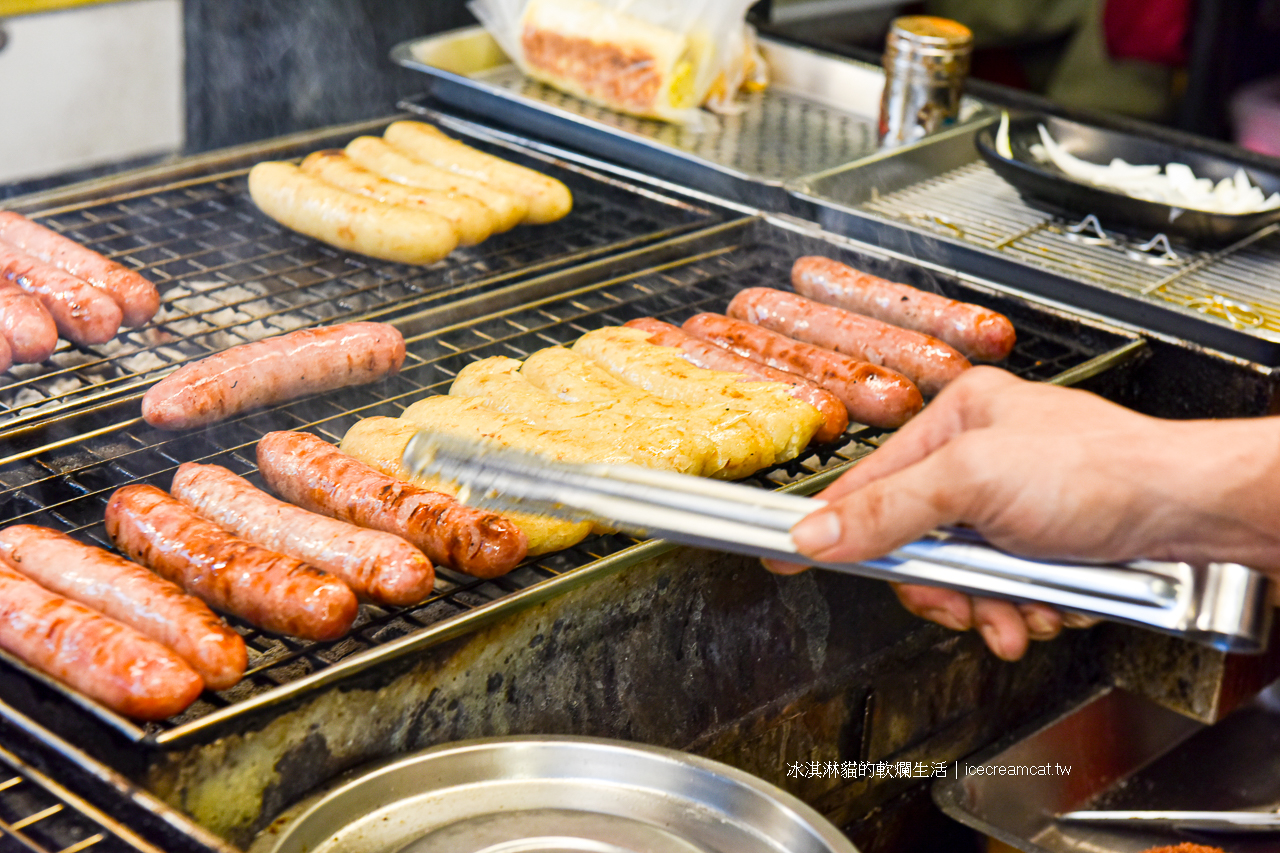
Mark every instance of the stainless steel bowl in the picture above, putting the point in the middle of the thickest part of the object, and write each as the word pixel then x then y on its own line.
pixel 544 794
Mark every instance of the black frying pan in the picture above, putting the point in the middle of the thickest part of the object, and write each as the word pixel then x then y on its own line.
pixel 1044 181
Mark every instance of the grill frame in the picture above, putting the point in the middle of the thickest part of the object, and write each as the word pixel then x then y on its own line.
pixel 655 275
pixel 122 818
pixel 938 199
pixel 274 279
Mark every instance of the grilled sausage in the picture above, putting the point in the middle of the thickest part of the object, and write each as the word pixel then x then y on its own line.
pixel 976 331
pixel 671 445
pixel 310 472
pixel 378 155
pixel 741 448
pixel 267 589
pixel 471 220
pixel 83 314
pixel 271 371
pixel 138 298
pixel 835 418
pixel 873 395
pixel 627 353
pixel 925 360
pixel 548 199
pixel 6 355
pixel 26 325
pixel 349 221
pixel 112 663
pixel 380 444
pixel 376 565
pixel 130 595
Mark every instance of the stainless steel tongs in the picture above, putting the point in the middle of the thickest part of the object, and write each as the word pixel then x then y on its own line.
pixel 1225 605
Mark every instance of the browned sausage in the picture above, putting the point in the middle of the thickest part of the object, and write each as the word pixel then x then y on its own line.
pixel 112 663
pixel 976 331
pixel 925 360
pixel 271 371
pixel 6 355
pixel 138 298
pixel 83 314
pixel 131 595
pixel 26 325
pixel 313 474
pixel 873 395
pixel 377 565
pixel 269 590
pixel 835 417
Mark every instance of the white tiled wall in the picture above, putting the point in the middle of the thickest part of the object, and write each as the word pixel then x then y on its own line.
pixel 90 85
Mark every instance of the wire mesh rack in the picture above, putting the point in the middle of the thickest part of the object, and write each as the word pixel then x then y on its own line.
pixel 227 274
pixel 67 488
pixel 1234 287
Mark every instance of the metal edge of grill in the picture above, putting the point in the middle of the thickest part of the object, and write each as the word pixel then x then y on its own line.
pixel 938 199
pixel 44 815
pixel 676 278
pixel 228 274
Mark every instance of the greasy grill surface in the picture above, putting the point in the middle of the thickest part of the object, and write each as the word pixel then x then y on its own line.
pixel 1234 285
pixel 68 488
pixel 227 274
pixel 39 816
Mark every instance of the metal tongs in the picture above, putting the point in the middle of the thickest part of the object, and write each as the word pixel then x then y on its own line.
pixel 1225 605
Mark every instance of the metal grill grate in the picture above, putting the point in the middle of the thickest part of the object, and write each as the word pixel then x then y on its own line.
pixel 1238 286
pixel 777 136
pixel 39 816
pixel 68 488
pixel 227 274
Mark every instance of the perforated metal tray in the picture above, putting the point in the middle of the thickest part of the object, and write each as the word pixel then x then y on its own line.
pixel 819 112
pixel 939 200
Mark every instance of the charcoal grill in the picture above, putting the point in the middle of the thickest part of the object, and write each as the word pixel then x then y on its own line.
pixel 637 249
pixel 67 487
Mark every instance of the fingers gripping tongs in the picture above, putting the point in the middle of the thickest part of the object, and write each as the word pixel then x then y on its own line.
pixel 1225 605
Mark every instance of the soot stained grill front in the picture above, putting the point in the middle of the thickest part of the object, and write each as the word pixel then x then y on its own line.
pixel 67 487
pixel 227 274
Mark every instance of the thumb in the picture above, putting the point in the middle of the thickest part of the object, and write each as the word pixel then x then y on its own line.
pixel 891 511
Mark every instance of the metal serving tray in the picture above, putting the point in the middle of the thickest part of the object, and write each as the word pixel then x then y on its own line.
pixel 66 487
pixel 819 112
pixel 939 200
pixel 1123 752
pixel 228 274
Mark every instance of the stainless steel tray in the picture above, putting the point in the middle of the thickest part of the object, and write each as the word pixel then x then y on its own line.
pixel 548 794
pixel 939 200
pixel 1123 753
pixel 819 112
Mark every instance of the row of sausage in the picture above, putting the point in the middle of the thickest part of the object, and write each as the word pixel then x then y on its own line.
pixel 411 196
pixel 51 286
pixel 140 636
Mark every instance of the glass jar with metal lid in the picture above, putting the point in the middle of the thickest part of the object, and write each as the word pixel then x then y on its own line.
pixel 926 60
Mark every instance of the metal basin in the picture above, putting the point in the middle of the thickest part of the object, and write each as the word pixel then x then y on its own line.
pixel 544 794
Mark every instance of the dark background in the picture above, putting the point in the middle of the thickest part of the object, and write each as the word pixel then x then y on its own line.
pixel 261 68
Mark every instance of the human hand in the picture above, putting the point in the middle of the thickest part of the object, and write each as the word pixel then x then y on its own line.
pixel 1055 473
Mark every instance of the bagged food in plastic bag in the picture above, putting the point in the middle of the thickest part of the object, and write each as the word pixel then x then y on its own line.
pixel 654 58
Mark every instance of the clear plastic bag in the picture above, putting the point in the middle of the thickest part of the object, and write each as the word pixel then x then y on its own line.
pixel 654 58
